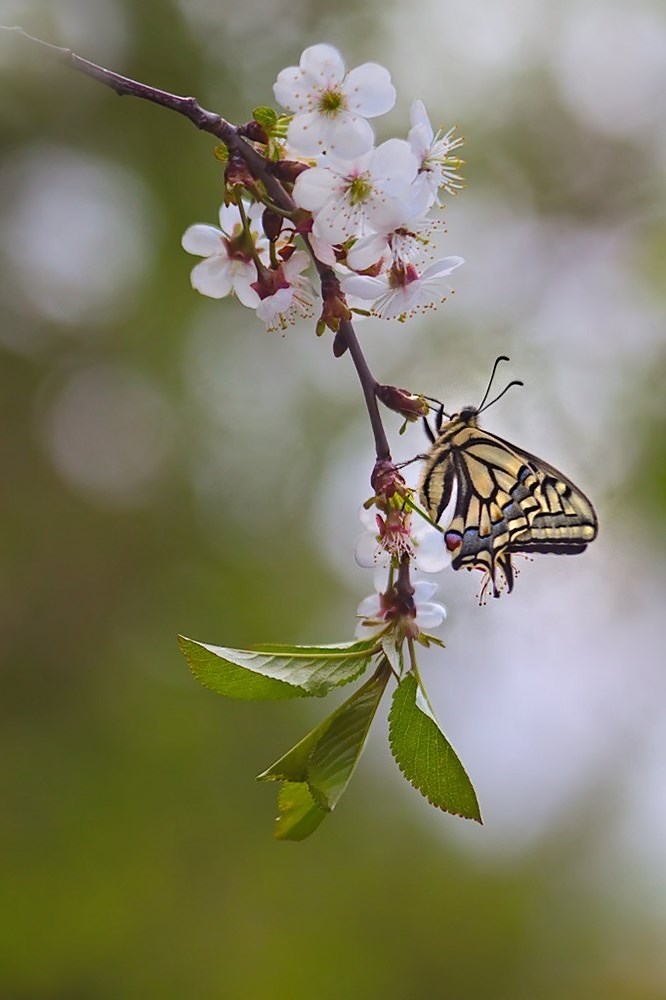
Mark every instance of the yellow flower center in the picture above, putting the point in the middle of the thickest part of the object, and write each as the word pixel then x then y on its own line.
pixel 359 190
pixel 330 102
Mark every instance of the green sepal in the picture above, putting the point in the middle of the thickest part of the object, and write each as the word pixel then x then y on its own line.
pixel 425 756
pixel 427 639
pixel 276 671
pixel 317 770
pixel 221 153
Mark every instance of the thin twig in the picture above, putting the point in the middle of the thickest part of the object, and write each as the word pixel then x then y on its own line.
pixel 369 386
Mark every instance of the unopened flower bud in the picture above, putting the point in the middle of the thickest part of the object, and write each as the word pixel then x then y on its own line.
pixel 237 173
pixel 288 170
pixel 334 306
pixel 271 223
pixel 404 402
pixel 253 131
pixel 386 480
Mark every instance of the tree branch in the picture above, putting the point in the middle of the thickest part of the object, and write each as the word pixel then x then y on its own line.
pixel 208 121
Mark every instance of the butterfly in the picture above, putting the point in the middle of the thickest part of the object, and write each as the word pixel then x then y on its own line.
pixel 506 500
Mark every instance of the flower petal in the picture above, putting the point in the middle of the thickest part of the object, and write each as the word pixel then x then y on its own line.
pixel 323 63
pixel 314 187
pixel 244 274
pixel 203 240
pixel 385 214
pixel 395 163
pixel 369 606
pixel 337 221
pixel 419 141
pixel 364 286
pixel 424 590
pixel 369 90
pixel 442 267
pixel 322 250
pixel 307 134
pixel 368 553
pixel 430 615
pixel 212 277
pixel 418 117
pixel 298 262
pixel 288 89
pixel 273 305
pixel 348 136
pixel 367 252
pixel 368 518
pixel 230 218
pixel 431 555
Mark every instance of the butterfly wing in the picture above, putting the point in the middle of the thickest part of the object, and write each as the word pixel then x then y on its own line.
pixel 564 520
pixel 507 501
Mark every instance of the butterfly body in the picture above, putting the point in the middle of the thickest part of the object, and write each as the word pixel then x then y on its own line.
pixel 507 501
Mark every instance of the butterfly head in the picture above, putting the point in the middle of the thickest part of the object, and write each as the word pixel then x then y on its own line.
pixel 468 415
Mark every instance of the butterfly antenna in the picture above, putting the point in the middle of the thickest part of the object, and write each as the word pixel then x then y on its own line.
pixel 501 357
pixel 504 390
pixel 439 406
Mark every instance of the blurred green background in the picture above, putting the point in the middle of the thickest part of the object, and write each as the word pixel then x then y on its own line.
pixel 168 467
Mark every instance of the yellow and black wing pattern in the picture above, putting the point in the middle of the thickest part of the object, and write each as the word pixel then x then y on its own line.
pixel 506 501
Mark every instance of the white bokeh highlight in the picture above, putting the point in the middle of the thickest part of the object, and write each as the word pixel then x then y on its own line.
pixel 77 237
pixel 109 432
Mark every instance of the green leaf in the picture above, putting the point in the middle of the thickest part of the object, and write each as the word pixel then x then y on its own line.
pixel 276 671
pixel 332 761
pixel 299 813
pixel 265 116
pixel 317 770
pixel 425 756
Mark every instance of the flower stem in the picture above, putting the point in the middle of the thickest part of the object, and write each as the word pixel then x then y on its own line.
pixel 415 670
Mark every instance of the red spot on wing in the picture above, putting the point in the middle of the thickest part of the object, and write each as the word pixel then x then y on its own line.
pixel 452 540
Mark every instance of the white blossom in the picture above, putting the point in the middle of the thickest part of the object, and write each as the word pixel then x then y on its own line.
pixel 351 198
pixel 405 244
pixel 374 617
pixel 419 539
pixel 322 250
pixel 228 267
pixel 293 298
pixel 402 291
pixel 437 168
pixel 330 106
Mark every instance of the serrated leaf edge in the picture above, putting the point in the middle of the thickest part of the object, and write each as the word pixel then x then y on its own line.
pixel 364 657
pixel 450 812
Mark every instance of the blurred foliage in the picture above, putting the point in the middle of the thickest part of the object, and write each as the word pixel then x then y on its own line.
pixel 137 859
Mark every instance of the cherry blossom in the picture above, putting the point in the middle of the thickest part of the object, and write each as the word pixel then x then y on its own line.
pixel 285 294
pixel 228 266
pixel 376 611
pixel 437 168
pixel 386 536
pixel 351 198
pixel 403 290
pixel 407 243
pixel 330 106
